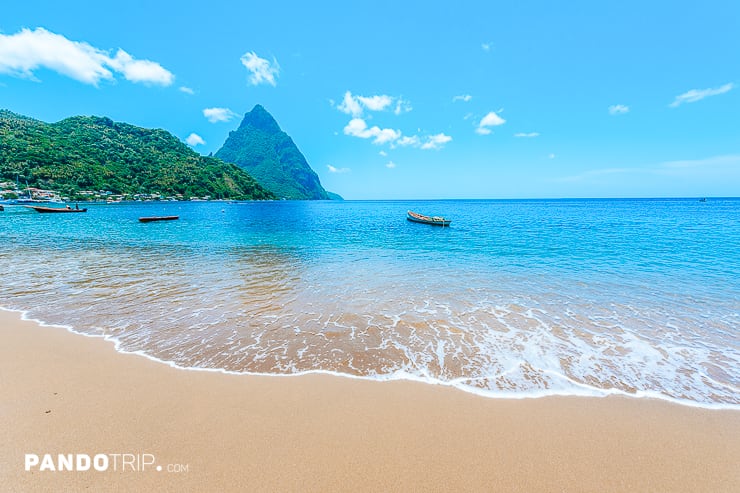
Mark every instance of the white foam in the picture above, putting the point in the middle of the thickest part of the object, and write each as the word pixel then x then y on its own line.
pixel 576 389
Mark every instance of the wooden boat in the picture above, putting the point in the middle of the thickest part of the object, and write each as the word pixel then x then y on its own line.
pixel 41 209
pixel 433 220
pixel 150 219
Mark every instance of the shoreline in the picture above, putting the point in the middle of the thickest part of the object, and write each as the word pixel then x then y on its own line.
pixel 595 392
pixel 65 394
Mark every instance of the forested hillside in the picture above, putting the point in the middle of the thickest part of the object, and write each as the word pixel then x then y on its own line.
pixel 94 153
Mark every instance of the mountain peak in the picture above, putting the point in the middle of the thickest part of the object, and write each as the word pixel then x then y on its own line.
pixel 268 154
pixel 259 118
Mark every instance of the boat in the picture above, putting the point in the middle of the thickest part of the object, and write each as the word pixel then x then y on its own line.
pixel 41 209
pixel 150 219
pixel 433 220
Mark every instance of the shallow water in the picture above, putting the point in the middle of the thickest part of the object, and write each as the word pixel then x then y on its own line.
pixel 517 298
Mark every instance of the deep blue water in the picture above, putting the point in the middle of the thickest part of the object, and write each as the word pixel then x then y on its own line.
pixel 520 297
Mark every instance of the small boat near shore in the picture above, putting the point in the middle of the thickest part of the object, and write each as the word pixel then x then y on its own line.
pixel 433 220
pixel 45 210
pixel 151 219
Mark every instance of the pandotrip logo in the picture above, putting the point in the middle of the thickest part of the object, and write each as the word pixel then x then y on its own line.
pixel 118 462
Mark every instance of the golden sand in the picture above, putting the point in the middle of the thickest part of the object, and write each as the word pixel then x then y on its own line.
pixel 69 394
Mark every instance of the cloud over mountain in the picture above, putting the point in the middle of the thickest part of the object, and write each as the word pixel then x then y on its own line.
pixel 27 51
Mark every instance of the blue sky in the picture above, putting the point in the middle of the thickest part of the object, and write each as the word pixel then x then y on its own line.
pixel 409 100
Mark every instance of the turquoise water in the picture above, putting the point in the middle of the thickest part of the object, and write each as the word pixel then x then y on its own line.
pixel 515 299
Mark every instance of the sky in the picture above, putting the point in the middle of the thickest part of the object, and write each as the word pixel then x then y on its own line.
pixel 410 100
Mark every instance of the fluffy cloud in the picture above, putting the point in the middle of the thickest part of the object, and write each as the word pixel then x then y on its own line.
pixel 407 141
pixel 215 115
pixel 402 106
pixel 358 128
pixel 375 103
pixel 194 140
pixel 144 71
pixel 488 121
pixel 436 141
pixel 187 90
pixel 332 169
pixel 390 165
pixel 350 105
pixel 262 71
pixel 618 109
pixel 462 97
pixel 527 135
pixel 695 95
pixel 27 51
pixel 355 105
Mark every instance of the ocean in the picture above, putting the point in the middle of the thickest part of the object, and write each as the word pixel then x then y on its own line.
pixel 517 298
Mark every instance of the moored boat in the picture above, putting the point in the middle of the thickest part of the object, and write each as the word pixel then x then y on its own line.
pixel 433 220
pixel 41 209
pixel 150 219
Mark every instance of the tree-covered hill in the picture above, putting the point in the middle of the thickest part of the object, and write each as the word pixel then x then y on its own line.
pixel 94 153
pixel 271 156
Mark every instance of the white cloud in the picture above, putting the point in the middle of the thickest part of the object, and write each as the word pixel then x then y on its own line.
pixel 350 105
pixel 262 71
pixel 375 103
pixel 618 109
pixel 358 128
pixel 490 120
pixel 187 90
pixel 436 141
pixel 332 169
pixel 486 46
pixel 407 141
pixel 383 153
pixel 695 95
pixel 215 115
pixel 402 106
pixel 194 140
pixel 355 105
pixel 144 71
pixel 462 97
pixel 527 135
pixel 390 165
pixel 27 51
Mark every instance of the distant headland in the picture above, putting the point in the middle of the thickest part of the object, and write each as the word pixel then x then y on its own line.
pixel 94 158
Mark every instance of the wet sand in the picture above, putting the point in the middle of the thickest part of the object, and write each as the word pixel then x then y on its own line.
pixel 70 394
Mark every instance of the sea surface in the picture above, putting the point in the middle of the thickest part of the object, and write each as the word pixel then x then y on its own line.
pixel 518 298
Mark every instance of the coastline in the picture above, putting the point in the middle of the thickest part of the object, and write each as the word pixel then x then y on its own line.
pixel 76 395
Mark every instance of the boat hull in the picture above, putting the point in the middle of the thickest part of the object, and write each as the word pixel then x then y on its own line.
pixel 54 210
pixel 157 218
pixel 422 219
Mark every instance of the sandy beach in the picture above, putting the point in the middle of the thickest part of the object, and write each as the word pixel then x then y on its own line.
pixel 68 394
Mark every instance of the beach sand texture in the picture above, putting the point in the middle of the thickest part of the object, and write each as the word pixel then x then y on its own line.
pixel 65 393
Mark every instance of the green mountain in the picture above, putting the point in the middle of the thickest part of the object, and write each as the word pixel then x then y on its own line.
pixel 271 156
pixel 93 153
